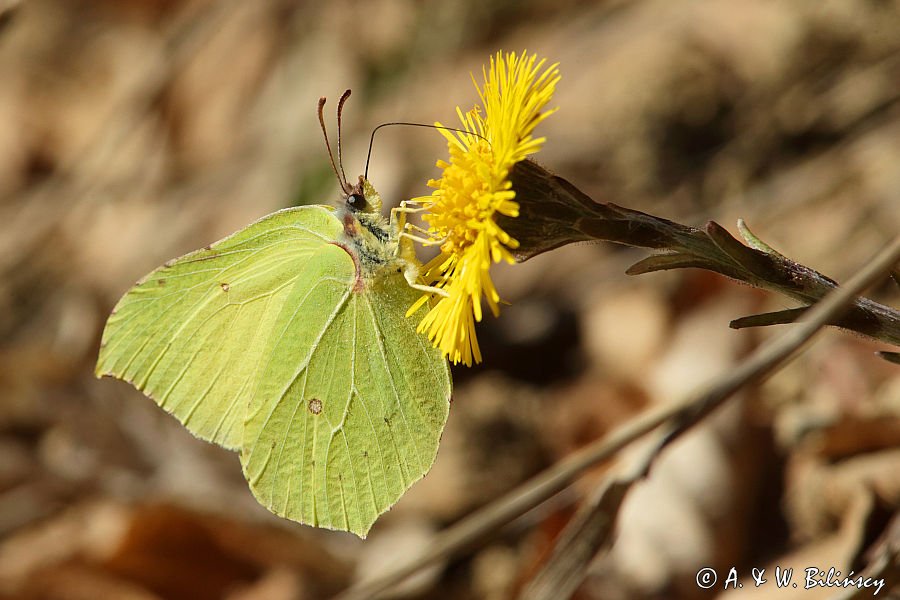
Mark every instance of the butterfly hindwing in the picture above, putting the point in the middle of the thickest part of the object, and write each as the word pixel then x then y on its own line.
pixel 364 416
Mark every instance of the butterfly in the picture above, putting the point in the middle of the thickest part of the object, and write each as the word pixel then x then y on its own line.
pixel 288 341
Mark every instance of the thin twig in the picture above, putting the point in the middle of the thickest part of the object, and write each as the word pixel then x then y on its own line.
pixel 518 501
pixel 589 531
pixel 683 414
pixel 591 528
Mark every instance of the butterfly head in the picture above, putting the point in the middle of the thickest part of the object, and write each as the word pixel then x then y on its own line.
pixel 363 198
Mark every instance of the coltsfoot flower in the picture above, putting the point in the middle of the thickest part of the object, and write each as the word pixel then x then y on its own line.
pixel 475 190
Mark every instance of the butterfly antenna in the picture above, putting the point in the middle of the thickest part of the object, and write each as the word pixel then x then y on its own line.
pixel 340 111
pixel 342 180
pixel 372 138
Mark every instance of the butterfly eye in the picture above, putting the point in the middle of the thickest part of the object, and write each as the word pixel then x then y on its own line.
pixel 357 201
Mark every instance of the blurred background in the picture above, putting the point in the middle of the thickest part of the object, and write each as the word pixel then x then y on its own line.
pixel 132 131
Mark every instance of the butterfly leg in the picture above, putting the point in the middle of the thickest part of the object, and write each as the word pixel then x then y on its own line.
pixel 422 240
pixel 412 273
pixel 429 289
pixel 414 227
pixel 406 250
pixel 411 206
pixel 398 215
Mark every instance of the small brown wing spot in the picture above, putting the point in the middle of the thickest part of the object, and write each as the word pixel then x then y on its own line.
pixel 207 247
pixel 160 282
pixel 315 406
pixel 225 287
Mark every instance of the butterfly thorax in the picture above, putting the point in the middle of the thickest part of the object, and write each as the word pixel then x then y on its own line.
pixel 370 239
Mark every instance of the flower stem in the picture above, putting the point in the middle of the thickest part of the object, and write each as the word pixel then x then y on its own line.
pixel 553 213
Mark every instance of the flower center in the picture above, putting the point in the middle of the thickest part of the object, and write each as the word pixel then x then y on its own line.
pixel 466 199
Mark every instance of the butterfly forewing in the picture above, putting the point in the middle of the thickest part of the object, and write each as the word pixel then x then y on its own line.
pixel 193 334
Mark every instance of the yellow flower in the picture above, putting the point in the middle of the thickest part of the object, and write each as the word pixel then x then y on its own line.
pixel 475 188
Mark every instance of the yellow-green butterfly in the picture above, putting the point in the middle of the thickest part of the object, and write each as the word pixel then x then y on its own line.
pixel 289 342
